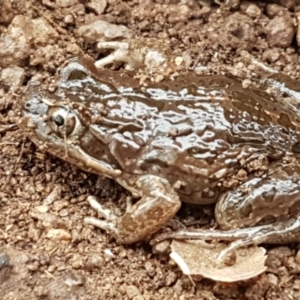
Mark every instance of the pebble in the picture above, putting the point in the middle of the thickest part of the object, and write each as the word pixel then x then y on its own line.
pixel 14 46
pixel 238 32
pixel 12 76
pixel 58 235
pixel 103 31
pixel 42 31
pixel 298 29
pixel 170 278
pixel 271 55
pixel 280 31
pixel 132 291
pixel 253 11
pixel 273 9
pixel 98 6
pixel 66 3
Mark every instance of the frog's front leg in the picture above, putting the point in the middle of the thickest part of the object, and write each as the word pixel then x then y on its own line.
pixel 263 210
pixel 158 204
pixel 121 54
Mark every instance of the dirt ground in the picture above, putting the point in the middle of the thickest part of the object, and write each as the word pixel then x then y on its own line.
pixel 46 251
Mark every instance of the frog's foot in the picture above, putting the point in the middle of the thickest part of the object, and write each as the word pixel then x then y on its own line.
pixel 121 54
pixel 278 233
pixel 108 223
pixel 159 203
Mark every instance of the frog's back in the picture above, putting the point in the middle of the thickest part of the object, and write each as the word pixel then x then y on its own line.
pixel 199 132
pixel 202 133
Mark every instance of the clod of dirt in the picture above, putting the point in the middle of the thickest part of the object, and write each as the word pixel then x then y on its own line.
pixel 238 32
pixel 103 31
pixel 13 76
pixel 98 6
pixel 199 258
pixel 21 34
pixel 298 29
pixel 58 235
pixel 66 3
pixel 280 31
pixel 14 46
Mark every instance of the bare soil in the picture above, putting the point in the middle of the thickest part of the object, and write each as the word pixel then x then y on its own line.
pixel 46 251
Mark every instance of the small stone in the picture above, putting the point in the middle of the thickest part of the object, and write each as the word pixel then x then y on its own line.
pixel 94 261
pixel 178 13
pixel 246 83
pixel 108 253
pixel 298 30
pixel 297 258
pixel 271 55
pixel 6 12
pixel 73 49
pixel 69 19
pixel 103 31
pixel 12 76
pixel 4 261
pixel 42 31
pixel 42 208
pixel 132 291
pixel 98 6
pixel 74 280
pixel 289 4
pixel 178 287
pixel 238 32
pixel 274 9
pixel 170 278
pixel 233 4
pixel 273 279
pixel 66 3
pixel 53 196
pixel 280 31
pixel 58 235
pixel 161 247
pixel 178 61
pixel 253 11
pixel 63 213
pixel 14 46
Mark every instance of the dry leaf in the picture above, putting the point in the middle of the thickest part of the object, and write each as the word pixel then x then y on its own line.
pixel 199 258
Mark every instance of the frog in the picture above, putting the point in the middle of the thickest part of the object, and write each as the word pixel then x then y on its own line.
pixel 196 139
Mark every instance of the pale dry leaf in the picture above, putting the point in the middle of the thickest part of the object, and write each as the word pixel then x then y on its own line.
pixel 199 258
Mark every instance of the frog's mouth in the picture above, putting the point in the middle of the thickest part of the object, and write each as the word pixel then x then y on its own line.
pixel 55 128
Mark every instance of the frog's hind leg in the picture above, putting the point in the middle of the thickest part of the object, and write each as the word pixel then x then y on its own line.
pixel 262 210
pixel 281 233
pixel 159 203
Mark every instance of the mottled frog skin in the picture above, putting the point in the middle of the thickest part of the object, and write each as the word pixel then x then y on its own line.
pixel 194 139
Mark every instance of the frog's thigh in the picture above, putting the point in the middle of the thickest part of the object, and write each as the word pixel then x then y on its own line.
pixel 269 200
pixel 159 203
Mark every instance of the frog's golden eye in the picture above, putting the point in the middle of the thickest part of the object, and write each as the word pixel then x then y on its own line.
pixel 61 121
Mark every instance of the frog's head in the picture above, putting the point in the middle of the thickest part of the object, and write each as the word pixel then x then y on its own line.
pixel 60 123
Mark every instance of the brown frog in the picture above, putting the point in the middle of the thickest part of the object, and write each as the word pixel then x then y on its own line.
pixel 195 139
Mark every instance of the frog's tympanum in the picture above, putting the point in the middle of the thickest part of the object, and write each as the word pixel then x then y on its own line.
pixel 195 139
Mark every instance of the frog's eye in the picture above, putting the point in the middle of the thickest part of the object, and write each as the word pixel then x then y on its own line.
pixel 61 121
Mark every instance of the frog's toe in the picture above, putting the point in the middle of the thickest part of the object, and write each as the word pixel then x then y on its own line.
pixel 120 54
pixel 231 248
pixel 102 224
pixel 108 224
pixel 105 213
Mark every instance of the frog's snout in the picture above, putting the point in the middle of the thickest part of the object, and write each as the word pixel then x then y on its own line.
pixel 34 106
